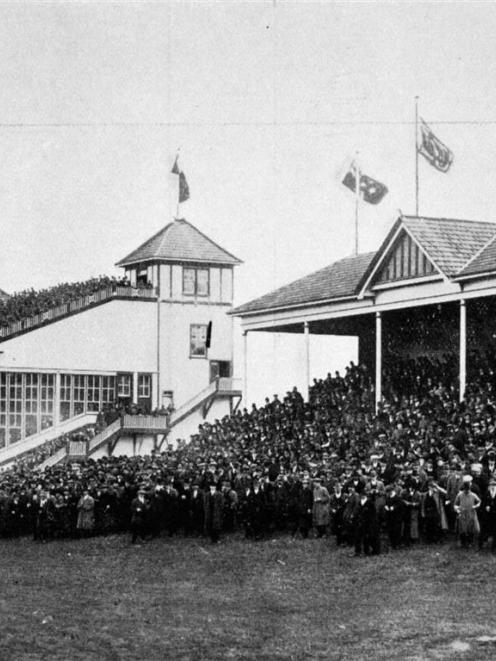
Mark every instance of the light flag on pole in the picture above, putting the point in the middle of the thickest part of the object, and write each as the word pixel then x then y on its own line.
pixel 432 149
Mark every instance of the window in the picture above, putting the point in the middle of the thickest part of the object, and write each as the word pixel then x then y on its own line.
pixel 65 396
pixel 93 393
pixel 144 385
pixel 198 341
pixel 124 385
pixel 195 282
pixel 79 394
pixel 108 389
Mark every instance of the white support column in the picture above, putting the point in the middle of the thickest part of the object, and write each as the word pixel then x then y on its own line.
pixel 306 330
pixel 56 400
pixel 135 387
pixel 378 358
pixel 463 349
pixel 245 368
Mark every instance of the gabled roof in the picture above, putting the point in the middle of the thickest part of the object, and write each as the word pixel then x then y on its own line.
pixel 336 281
pixel 449 243
pixel 454 247
pixel 179 241
pixel 3 295
pixel 483 261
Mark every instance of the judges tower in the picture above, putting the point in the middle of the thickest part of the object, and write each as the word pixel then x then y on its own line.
pixel 194 280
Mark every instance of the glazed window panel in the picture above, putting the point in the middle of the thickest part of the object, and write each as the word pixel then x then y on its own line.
pixel 79 394
pixel 189 282
pixel 93 393
pixel 108 389
pixel 202 282
pixel 198 341
pixel 144 385
pixel 124 385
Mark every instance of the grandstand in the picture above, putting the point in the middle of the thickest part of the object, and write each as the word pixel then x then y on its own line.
pixel 429 288
pixel 151 350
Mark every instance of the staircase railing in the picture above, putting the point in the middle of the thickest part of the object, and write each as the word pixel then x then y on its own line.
pixel 194 402
pixel 53 459
pixel 104 294
pixel 11 452
pixel 104 435
pixel 136 423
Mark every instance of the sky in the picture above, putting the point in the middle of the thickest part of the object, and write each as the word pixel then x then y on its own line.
pixel 268 102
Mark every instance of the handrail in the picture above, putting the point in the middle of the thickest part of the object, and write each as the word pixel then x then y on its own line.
pixel 104 435
pixel 10 452
pixel 194 401
pixel 137 422
pixel 144 422
pixel 53 459
pixel 104 294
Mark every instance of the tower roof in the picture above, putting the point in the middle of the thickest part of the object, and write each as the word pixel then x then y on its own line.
pixel 179 241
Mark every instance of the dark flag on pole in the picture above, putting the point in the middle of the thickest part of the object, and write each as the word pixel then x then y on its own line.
pixel 183 184
pixel 370 189
pixel 433 150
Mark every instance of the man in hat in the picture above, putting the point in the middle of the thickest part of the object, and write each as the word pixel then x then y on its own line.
pixel 365 525
pixel 337 506
pixel 303 502
pixel 488 515
pixel 213 509
pixel 393 510
pixel 139 512
pixel 320 510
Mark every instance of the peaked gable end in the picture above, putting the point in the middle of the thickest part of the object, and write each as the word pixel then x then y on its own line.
pixel 405 260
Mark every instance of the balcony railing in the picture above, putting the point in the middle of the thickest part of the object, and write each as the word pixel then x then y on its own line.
pixel 105 294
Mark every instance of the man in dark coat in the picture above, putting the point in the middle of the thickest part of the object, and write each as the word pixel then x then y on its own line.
pixel 254 508
pixel 304 507
pixel 44 516
pixel 213 508
pixel 366 529
pixel 337 505
pixel 139 511
pixel 195 500
pixel 393 510
pixel 488 515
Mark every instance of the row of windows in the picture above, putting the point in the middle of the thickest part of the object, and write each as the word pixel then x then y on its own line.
pixel 27 400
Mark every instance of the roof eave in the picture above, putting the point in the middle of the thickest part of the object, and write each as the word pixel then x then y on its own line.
pixel 294 306
pixel 473 276
pixel 175 260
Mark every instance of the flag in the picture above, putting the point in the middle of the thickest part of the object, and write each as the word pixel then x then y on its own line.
pixel 433 150
pixel 371 190
pixel 183 184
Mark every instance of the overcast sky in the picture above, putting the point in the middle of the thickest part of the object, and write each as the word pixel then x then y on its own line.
pixel 268 102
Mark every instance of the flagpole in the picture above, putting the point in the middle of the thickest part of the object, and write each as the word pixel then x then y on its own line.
pixel 357 201
pixel 416 159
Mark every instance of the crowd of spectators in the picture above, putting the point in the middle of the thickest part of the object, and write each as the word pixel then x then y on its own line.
pixel 31 302
pixel 420 468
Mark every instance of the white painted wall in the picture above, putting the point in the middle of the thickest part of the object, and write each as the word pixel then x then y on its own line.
pixel 115 336
pixel 183 375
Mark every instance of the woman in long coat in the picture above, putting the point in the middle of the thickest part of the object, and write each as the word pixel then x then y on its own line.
pixel 321 507
pixel 466 504
pixel 86 513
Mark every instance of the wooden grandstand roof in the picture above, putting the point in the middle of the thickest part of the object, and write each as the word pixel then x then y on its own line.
pixel 179 241
pixel 450 244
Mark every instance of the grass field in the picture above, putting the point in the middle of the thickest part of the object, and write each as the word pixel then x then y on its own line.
pixel 103 599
